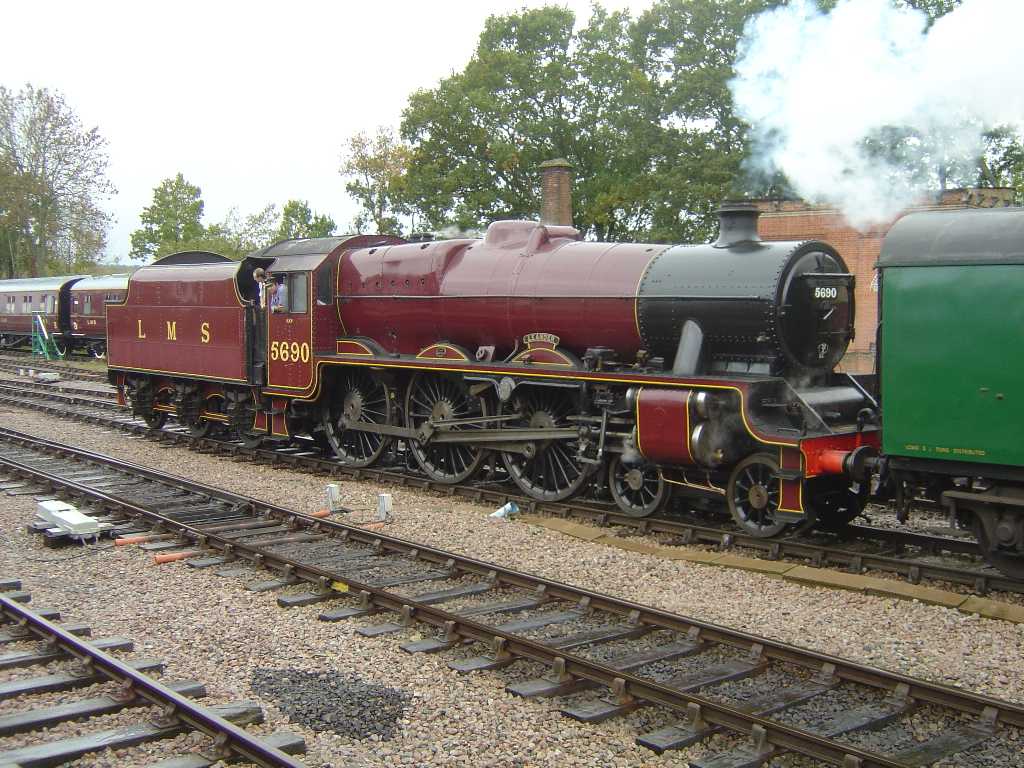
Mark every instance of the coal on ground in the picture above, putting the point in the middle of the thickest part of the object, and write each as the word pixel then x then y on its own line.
pixel 333 701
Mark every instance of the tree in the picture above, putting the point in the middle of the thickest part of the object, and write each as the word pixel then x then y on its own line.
pixel 297 220
pixel 53 173
pixel 377 166
pixel 172 219
pixel 639 107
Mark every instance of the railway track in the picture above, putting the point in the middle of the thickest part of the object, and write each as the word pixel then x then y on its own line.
pixel 908 554
pixel 12 364
pixel 604 657
pixel 39 640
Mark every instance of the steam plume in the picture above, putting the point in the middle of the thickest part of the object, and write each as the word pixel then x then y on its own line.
pixel 822 92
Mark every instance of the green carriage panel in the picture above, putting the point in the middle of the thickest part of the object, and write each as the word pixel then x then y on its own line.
pixel 952 348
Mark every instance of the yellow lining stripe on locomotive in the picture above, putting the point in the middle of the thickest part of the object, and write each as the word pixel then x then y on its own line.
pixel 576 375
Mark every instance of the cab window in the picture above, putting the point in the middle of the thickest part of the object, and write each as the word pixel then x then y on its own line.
pixel 325 286
pixel 298 294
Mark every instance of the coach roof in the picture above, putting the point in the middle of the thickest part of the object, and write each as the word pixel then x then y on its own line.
pixel 37 283
pixel 102 283
pixel 960 237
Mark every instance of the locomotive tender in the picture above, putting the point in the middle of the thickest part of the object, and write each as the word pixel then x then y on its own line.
pixel 707 369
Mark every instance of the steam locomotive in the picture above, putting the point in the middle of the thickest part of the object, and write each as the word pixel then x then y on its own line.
pixel 704 369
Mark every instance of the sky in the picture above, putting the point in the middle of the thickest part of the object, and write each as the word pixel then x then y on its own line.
pixel 251 101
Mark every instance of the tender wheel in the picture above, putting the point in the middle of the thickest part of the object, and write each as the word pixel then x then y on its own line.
pixel 553 472
pixel 638 489
pixel 1005 562
pixel 241 412
pixel 753 496
pixel 433 398
pixel 360 398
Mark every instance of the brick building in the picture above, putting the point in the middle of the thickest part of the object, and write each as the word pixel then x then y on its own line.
pixel 795 220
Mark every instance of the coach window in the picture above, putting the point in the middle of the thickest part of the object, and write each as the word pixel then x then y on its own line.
pixel 298 295
pixel 87 310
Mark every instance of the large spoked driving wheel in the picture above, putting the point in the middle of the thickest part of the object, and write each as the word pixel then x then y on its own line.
pixel 439 399
pixel 753 495
pixel 638 489
pixel 360 398
pixel 552 472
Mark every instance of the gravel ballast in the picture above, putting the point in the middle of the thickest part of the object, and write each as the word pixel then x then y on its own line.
pixel 211 629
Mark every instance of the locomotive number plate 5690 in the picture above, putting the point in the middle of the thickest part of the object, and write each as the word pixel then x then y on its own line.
pixel 289 352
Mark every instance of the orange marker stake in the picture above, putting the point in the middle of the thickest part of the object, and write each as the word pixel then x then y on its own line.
pixel 144 538
pixel 319 513
pixel 170 557
pixel 124 542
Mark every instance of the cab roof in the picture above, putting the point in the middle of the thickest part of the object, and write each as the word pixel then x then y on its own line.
pixel 970 236
pixel 305 254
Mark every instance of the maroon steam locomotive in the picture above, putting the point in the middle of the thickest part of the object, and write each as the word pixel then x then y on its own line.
pixel 708 369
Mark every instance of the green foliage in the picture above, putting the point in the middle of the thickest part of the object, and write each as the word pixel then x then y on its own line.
pixel 376 166
pixel 298 220
pixel 173 222
pixel 172 219
pixel 639 107
pixel 52 185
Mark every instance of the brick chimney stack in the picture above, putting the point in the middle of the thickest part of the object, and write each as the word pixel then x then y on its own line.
pixel 556 194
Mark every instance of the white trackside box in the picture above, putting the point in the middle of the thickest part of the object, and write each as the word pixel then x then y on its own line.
pixel 67 518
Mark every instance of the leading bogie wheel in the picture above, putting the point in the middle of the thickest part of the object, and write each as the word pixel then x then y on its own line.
pixel 552 470
pixel 638 488
pixel 753 496
pixel 437 399
pixel 360 397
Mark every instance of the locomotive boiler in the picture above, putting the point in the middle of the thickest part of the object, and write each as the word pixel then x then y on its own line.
pixel 559 363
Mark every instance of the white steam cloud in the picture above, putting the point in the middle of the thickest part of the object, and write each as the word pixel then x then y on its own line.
pixel 821 90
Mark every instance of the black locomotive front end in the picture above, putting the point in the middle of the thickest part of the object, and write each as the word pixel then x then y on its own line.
pixel 755 307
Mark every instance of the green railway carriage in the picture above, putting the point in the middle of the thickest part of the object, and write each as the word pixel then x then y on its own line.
pixel 952 367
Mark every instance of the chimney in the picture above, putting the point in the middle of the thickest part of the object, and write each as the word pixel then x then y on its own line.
pixel 737 223
pixel 556 193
